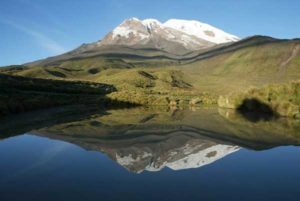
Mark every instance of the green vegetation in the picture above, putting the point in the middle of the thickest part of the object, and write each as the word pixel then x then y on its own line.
pixel 145 86
pixel 245 67
pixel 8 82
pixel 283 99
pixel 153 87
pixel 18 94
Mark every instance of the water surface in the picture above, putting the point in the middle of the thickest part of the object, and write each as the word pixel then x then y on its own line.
pixel 149 154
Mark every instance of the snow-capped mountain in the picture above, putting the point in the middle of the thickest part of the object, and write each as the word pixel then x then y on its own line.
pixel 173 39
pixel 171 36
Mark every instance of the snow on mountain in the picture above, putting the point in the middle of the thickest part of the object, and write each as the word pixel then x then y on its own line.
pixel 151 23
pixel 192 35
pixel 201 30
pixel 131 28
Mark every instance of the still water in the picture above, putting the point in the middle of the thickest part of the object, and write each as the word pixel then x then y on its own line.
pixel 148 154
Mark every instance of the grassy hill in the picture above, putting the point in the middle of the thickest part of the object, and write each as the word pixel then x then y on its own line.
pixel 249 65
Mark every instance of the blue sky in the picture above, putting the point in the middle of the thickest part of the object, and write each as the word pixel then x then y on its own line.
pixel 35 29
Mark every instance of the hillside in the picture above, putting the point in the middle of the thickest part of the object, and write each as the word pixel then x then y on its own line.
pixel 256 61
pixel 200 76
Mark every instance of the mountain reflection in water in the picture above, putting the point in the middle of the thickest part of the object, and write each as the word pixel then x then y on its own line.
pixel 150 139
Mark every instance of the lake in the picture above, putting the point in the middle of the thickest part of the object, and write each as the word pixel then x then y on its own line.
pixel 148 154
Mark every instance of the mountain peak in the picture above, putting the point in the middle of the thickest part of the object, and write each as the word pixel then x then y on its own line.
pixel 174 36
pixel 151 23
pixel 132 19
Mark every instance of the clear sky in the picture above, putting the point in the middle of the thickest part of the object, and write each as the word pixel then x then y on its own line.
pixel 35 29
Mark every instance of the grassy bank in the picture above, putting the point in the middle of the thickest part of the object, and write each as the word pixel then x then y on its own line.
pixel 281 99
pixel 19 94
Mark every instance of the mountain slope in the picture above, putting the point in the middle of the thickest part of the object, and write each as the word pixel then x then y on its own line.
pixel 255 61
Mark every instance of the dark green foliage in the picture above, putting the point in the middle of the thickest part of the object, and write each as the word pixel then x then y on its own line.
pixel 56 73
pixel 281 99
pixel 8 83
pixel 20 94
